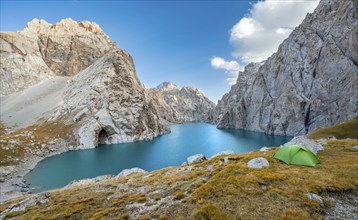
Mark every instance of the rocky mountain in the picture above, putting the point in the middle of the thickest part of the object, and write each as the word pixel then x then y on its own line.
pixel 177 104
pixel 84 79
pixel 109 103
pixel 310 82
pixel 43 50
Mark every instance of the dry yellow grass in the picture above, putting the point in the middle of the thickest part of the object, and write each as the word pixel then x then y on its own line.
pixel 15 145
pixel 230 191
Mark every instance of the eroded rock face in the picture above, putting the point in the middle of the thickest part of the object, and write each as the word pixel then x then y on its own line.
pixel 103 97
pixel 43 50
pixel 109 103
pixel 21 63
pixel 225 115
pixel 180 104
pixel 310 82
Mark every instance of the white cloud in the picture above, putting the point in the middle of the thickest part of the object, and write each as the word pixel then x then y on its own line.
pixel 231 67
pixel 256 36
pixel 220 63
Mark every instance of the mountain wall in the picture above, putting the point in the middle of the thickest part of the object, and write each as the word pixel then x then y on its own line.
pixel 95 83
pixel 310 82
pixel 43 50
pixel 177 104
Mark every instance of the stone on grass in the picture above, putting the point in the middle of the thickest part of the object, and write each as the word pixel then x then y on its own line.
pixel 258 163
pixel 210 167
pixel 197 158
pixel 127 172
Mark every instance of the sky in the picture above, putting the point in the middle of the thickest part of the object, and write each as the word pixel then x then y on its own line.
pixel 196 43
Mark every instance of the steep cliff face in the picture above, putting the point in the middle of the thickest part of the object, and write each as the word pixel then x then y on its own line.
pixel 310 82
pixel 90 83
pixel 229 116
pixel 21 63
pixel 180 104
pixel 109 103
pixel 43 50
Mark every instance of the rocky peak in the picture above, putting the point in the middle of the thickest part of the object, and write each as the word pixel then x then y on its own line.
pixel 310 82
pixel 66 26
pixel 43 50
pixel 168 86
pixel 37 26
pixel 180 104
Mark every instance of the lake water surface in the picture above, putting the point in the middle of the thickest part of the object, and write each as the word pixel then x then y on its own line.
pixel 167 150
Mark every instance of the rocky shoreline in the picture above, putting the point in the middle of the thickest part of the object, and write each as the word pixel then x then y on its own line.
pixel 12 179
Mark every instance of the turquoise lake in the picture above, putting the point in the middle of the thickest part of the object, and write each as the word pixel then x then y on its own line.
pixel 167 150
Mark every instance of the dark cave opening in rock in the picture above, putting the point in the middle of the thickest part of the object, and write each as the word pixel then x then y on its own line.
pixel 102 137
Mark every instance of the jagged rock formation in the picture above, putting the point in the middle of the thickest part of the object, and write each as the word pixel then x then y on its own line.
pixel 180 104
pixel 103 96
pixel 43 50
pixel 310 82
pixel 233 117
pixel 109 103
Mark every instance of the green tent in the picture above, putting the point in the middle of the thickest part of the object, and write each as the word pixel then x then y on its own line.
pixel 295 154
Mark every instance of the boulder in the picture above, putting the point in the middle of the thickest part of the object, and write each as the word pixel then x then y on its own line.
pixel 197 158
pixel 258 163
pixel 127 172
pixel 306 142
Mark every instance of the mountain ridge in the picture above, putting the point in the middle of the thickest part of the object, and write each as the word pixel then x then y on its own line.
pixel 178 104
pixel 310 82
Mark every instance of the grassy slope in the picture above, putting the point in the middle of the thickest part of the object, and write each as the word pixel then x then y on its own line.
pixel 230 191
pixel 347 129
pixel 15 145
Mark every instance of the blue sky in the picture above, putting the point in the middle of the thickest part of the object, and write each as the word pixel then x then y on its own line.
pixel 168 40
